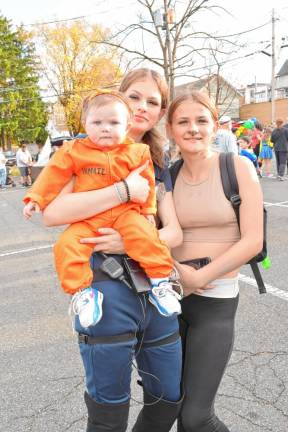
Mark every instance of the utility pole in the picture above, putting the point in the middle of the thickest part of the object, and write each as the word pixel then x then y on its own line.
pixel 169 19
pixel 273 70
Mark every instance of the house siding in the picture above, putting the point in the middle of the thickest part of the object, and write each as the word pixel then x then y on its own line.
pixel 262 111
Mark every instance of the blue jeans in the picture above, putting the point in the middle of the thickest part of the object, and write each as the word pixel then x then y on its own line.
pixel 2 176
pixel 108 366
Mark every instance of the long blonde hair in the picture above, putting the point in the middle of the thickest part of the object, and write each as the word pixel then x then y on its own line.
pixel 152 137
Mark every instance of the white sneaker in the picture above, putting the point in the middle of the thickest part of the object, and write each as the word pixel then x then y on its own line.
pixel 165 299
pixel 87 304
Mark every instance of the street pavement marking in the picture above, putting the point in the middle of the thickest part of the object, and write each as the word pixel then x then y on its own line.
pixel 5 191
pixel 246 279
pixel 25 250
pixel 279 204
pixel 270 288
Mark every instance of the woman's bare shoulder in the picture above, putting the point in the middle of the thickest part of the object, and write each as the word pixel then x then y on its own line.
pixel 246 173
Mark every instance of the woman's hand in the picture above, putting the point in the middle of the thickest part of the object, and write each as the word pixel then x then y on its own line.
pixel 189 278
pixel 138 185
pixel 109 241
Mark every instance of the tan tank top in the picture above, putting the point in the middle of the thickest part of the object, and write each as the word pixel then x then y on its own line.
pixel 204 212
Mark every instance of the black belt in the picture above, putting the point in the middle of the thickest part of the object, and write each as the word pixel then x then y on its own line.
pixel 98 275
pixel 125 337
pixel 93 340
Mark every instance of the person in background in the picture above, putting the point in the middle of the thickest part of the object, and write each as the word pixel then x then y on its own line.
pixel 3 172
pixel 210 229
pixel 108 363
pixel 255 141
pixel 266 153
pixel 286 126
pixel 279 138
pixel 24 162
pixel 225 140
pixel 246 150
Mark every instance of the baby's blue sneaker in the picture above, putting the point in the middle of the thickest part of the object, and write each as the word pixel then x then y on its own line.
pixel 87 304
pixel 165 299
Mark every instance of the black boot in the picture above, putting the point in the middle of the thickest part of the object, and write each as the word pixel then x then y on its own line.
pixel 180 427
pixel 106 417
pixel 158 417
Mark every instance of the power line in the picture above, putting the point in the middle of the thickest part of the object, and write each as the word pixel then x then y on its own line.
pixel 76 18
pixel 245 31
pixel 108 86
pixel 56 21
pixel 70 93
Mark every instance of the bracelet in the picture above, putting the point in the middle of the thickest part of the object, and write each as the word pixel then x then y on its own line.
pixel 127 190
pixel 121 191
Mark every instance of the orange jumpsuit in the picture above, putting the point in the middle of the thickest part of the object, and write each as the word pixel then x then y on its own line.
pixel 93 169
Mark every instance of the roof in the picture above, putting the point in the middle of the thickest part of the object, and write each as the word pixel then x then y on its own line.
pixel 284 69
pixel 195 85
pixel 203 82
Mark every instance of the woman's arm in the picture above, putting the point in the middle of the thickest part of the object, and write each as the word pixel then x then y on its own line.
pixel 110 240
pixel 70 207
pixel 171 232
pixel 251 227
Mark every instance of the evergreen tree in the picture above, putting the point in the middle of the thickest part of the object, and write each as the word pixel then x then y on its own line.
pixel 22 111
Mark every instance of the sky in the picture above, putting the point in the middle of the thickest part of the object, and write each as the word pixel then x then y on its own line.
pixel 243 15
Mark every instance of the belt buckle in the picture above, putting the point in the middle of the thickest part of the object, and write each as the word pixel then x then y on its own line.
pixel 83 338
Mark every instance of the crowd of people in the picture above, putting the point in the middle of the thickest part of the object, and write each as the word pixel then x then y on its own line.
pixel 256 142
pixel 184 235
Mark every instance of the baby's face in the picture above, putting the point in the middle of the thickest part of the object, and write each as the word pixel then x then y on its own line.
pixel 107 125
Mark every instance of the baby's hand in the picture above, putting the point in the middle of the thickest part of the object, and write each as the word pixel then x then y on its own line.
pixel 30 208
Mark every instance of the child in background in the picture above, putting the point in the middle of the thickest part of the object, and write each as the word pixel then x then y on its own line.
pixel 105 157
pixel 266 154
pixel 246 150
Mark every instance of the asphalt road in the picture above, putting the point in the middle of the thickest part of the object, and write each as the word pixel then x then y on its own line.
pixel 41 383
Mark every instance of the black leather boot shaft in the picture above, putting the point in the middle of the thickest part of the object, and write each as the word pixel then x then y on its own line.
pixel 157 416
pixel 106 417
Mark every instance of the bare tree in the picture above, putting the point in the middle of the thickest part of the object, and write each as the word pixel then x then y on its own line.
pixel 221 91
pixel 168 37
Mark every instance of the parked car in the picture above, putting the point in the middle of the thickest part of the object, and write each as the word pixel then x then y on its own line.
pixel 11 158
pixel 59 140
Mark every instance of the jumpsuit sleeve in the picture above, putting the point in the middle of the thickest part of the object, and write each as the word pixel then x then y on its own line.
pixel 149 207
pixel 52 178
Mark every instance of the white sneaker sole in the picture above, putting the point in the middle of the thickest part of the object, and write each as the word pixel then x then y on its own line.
pixel 160 308
pixel 97 315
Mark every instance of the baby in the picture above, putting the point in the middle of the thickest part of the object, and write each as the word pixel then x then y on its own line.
pixel 105 157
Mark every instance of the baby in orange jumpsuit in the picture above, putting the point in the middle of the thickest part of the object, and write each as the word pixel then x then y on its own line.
pixel 104 158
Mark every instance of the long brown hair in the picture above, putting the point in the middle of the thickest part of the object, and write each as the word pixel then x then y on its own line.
pixel 193 96
pixel 152 137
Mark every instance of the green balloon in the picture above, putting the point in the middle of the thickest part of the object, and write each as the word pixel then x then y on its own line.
pixel 248 124
pixel 266 263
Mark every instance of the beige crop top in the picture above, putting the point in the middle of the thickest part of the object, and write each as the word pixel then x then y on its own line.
pixel 204 212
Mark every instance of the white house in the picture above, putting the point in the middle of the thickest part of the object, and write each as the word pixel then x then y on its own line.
pixel 281 85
